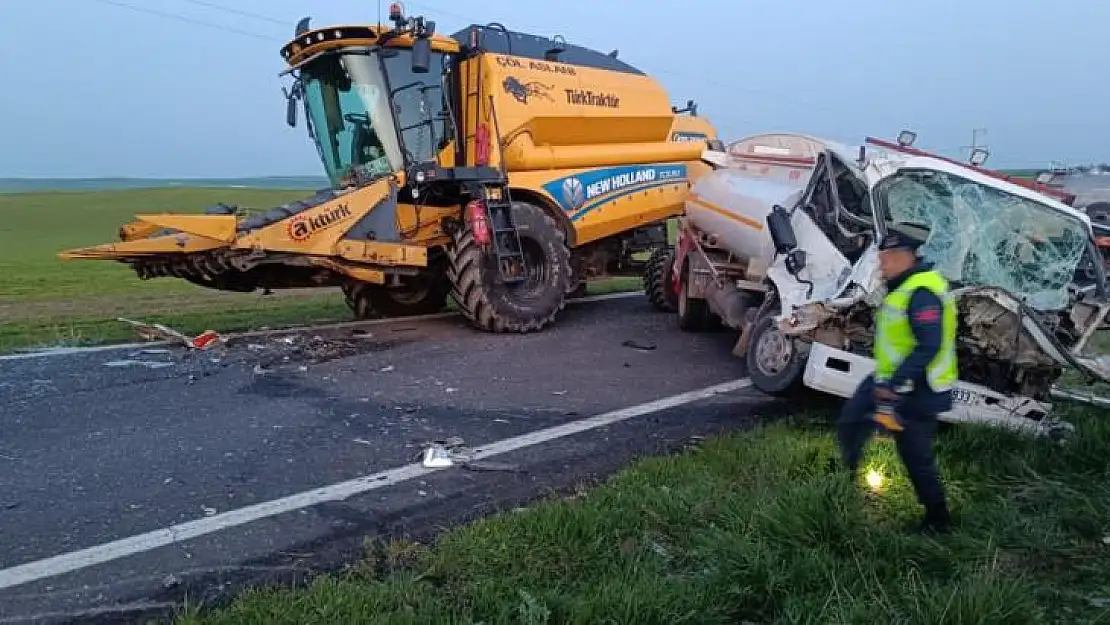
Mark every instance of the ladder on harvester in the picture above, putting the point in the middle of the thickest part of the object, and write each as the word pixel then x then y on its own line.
pixel 506 249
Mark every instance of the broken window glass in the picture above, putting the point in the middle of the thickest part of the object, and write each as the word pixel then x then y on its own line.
pixel 980 235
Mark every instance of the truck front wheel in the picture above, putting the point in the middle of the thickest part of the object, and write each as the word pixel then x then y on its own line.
pixel 525 306
pixel 773 360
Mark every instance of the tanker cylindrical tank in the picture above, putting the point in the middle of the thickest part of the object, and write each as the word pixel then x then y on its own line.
pixel 733 205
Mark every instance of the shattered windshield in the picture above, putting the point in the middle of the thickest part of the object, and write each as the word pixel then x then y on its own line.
pixel 984 236
pixel 346 101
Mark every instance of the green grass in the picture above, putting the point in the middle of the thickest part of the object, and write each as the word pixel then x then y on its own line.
pixel 755 527
pixel 46 301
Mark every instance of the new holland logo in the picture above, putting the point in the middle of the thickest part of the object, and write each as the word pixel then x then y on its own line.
pixel 573 192
pixel 302 227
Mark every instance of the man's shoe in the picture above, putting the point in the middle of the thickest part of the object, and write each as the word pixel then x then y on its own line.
pixel 937 520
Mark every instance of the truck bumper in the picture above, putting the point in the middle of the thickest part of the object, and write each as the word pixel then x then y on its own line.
pixel 838 372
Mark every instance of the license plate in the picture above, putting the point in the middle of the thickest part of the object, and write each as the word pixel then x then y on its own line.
pixel 963 396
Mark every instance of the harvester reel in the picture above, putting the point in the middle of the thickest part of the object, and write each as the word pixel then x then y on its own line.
pixel 526 306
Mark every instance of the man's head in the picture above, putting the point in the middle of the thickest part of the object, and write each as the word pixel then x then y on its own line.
pixel 898 249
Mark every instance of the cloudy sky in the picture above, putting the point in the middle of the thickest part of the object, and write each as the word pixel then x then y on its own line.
pixel 191 87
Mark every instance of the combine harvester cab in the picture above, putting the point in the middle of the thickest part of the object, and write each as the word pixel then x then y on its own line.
pixel 779 243
pixel 502 168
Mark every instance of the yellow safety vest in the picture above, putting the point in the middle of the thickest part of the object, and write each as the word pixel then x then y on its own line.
pixel 894 338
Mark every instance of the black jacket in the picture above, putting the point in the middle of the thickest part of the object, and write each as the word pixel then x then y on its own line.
pixel 926 313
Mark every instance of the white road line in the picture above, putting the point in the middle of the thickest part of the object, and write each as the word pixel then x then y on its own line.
pixel 73 561
pixel 70 351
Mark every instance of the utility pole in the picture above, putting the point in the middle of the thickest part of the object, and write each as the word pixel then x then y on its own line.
pixel 975 141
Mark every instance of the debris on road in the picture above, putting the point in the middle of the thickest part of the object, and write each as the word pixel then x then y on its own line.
pixel 159 332
pixel 149 364
pixel 451 452
pixel 437 456
pixel 491 466
pixel 642 346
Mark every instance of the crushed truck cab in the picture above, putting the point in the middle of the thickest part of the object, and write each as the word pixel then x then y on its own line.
pixel 779 242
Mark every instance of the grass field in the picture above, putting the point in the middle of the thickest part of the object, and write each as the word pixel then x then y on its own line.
pixel 755 528
pixel 45 301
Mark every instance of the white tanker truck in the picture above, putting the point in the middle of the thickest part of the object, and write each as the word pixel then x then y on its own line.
pixel 778 243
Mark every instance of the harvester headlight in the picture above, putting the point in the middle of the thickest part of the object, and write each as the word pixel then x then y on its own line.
pixel 906 138
pixel 419 177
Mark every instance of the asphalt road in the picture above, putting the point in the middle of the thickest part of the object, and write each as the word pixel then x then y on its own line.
pixel 97 447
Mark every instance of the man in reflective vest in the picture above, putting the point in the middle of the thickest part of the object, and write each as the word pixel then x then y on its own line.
pixel 915 366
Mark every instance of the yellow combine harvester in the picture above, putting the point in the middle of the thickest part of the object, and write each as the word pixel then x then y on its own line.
pixel 469 165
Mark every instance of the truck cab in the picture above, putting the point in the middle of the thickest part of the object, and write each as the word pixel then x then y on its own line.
pixel 780 243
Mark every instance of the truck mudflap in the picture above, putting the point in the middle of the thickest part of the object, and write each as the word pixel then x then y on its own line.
pixel 838 372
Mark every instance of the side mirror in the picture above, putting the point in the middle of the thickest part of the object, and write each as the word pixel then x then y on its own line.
pixel 906 138
pixel 421 55
pixel 291 105
pixel 781 230
pixel 978 157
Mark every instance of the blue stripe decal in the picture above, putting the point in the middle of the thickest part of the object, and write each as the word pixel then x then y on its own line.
pixel 615 196
pixel 582 192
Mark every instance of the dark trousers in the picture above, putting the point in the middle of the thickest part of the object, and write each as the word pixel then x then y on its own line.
pixel 915 442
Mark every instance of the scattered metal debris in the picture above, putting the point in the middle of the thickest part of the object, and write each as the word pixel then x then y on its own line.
pixel 642 346
pixel 159 332
pixel 1085 398
pixel 437 456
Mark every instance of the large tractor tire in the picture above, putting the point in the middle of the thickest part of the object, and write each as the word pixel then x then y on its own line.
pixel 425 294
pixel 526 306
pixel 659 280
